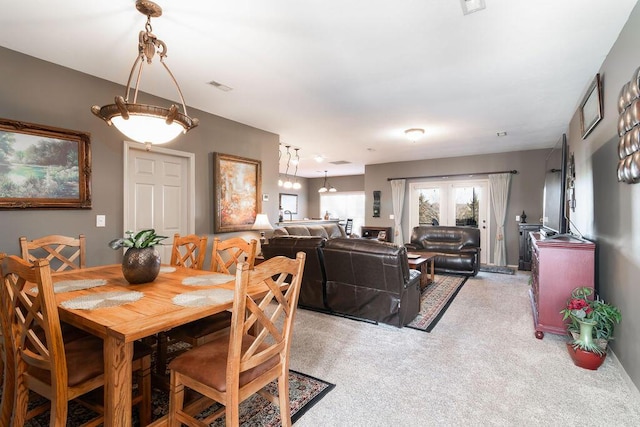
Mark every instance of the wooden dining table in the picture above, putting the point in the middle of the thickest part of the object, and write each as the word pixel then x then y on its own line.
pixel 119 326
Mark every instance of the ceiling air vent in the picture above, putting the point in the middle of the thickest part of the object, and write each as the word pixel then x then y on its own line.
pixel 340 162
pixel 220 86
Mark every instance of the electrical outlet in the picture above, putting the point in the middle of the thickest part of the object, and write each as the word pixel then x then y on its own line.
pixel 517 217
pixel 101 220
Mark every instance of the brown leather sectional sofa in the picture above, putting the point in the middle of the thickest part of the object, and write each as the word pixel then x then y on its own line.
pixel 458 247
pixel 355 277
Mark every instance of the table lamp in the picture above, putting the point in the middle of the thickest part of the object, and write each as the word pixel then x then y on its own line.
pixel 262 223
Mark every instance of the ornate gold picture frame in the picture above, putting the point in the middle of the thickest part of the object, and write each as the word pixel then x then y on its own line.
pixel 238 182
pixel 44 167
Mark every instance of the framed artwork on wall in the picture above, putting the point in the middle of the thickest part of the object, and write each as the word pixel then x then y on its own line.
pixel 44 167
pixel 237 184
pixel 289 202
pixel 591 107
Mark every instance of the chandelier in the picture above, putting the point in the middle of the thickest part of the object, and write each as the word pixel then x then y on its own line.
pixel 287 183
pixel 144 123
pixel 326 186
pixel 296 161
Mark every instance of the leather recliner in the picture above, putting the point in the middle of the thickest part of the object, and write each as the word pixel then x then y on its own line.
pixel 371 280
pixel 458 248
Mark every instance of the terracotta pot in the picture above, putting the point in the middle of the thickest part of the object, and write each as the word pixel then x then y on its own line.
pixel 141 265
pixel 585 359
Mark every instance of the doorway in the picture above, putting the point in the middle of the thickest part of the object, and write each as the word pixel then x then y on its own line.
pixel 457 203
pixel 159 192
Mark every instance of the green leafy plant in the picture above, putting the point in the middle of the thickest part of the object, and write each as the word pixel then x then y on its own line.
pixel 583 307
pixel 142 239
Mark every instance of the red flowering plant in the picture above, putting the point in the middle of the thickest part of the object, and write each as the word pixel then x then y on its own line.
pixel 583 308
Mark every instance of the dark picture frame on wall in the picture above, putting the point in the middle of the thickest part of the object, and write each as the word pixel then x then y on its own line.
pixel 44 167
pixel 591 107
pixel 237 184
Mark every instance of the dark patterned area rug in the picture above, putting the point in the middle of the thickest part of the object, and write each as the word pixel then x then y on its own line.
pixel 435 300
pixel 304 392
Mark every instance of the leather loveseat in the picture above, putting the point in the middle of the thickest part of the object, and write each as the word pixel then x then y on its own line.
pixel 371 280
pixel 458 247
pixel 355 277
pixel 312 289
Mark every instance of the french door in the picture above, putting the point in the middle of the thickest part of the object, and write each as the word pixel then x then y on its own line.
pixel 461 203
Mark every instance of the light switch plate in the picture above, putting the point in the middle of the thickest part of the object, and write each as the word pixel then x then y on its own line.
pixel 517 217
pixel 101 220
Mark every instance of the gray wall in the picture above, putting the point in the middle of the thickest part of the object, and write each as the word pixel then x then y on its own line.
pixel 341 183
pixel 525 193
pixel 608 212
pixel 40 92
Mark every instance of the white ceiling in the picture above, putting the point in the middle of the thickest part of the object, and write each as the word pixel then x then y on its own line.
pixel 344 79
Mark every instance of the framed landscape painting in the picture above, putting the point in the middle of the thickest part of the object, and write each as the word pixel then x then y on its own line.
pixel 43 167
pixel 237 182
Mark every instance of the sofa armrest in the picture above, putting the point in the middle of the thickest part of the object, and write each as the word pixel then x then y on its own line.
pixel 412 247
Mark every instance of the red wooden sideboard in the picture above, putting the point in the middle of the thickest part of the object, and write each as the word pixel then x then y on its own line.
pixel 557 267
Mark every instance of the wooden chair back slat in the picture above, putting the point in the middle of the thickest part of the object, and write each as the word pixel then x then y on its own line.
pixel 62 252
pixel 226 254
pixel 189 251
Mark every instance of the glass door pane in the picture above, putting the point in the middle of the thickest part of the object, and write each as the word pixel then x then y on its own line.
pixel 467 205
pixel 429 206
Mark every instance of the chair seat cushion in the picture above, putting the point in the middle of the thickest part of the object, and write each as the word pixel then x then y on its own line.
pixel 207 364
pixel 84 361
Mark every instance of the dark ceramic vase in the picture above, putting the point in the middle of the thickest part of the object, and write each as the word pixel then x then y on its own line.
pixel 141 265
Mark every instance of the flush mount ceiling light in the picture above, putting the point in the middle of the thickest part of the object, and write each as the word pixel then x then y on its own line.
pixel 470 6
pixel 148 124
pixel 414 134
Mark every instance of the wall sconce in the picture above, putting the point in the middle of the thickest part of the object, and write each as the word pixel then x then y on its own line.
pixel 148 124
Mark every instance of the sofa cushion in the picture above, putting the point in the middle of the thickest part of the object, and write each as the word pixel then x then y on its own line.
pixel 458 247
pixel 326 230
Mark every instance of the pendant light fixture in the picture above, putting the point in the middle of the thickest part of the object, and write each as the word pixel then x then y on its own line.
pixel 296 161
pixel 280 183
pixel 287 182
pixel 326 186
pixel 144 123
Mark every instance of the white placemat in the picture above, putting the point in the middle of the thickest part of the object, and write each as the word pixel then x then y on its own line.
pixel 211 279
pixel 102 299
pixel 167 269
pixel 203 297
pixel 74 285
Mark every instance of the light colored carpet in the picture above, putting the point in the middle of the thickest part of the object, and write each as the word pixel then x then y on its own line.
pixel 481 366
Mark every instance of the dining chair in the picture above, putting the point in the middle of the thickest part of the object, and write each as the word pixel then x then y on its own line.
pixel 189 251
pixel 237 365
pixel 6 362
pixel 56 368
pixel 225 255
pixel 62 252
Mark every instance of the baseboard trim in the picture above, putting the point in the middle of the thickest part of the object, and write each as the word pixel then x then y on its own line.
pixel 627 379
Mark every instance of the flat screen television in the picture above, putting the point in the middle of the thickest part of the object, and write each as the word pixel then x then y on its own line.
pixel 554 218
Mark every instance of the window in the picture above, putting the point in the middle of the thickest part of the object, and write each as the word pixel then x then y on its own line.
pixel 344 205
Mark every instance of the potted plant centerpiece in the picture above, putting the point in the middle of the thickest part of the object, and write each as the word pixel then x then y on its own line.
pixel 141 262
pixel 591 324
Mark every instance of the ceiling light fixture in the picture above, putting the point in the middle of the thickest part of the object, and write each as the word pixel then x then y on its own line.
pixel 296 161
pixel 414 134
pixel 148 124
pixel 287 182
pixel 280 183
pixel 318 158
pixel 470 6
pixel 326 186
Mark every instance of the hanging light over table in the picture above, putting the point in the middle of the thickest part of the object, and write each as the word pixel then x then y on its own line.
pixel 144 123
pixel 296 161
pixel 326 186
pixel 287 181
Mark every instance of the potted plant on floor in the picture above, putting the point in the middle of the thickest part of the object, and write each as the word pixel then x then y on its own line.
pixel 591 325
pixel 141 262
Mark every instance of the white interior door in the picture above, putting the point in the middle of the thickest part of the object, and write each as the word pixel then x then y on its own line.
pixel 159 192
pixel 462 203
